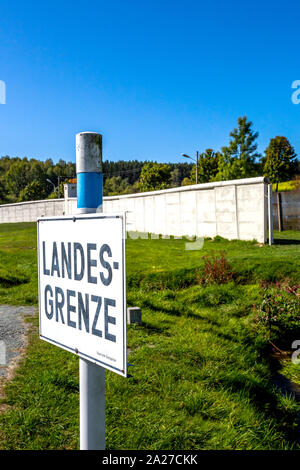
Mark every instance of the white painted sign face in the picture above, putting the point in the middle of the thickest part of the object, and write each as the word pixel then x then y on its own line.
pixel 82 286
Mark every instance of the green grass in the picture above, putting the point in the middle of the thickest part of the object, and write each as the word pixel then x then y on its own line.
pixel 150 261
pixel 288 186
pixel 291 371
pixel 18 264
pixel 202 375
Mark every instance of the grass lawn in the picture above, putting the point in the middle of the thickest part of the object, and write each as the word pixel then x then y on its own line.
pixel 202 369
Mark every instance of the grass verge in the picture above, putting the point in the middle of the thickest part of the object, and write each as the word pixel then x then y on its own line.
pixel 201 377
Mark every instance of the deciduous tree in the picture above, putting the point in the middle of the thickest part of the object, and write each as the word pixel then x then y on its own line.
pixel 208 166
pixel 155 176
pixel 280 160
pixel 33 191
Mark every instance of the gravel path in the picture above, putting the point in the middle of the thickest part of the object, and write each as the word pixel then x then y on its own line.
pixel 12 334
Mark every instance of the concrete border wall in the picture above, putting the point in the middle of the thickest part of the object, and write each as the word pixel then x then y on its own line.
pixel 234 209
pixel 31 211
pixel 290 205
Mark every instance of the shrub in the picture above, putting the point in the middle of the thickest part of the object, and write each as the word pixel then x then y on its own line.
pixel 216 270
pixel 279 313
pixel 33 192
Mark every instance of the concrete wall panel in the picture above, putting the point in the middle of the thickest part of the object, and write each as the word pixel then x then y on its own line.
pixel 231 209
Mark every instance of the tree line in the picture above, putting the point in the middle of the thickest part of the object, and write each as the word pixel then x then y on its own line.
pixel 31 179
pixel 23 179
pixel 239 159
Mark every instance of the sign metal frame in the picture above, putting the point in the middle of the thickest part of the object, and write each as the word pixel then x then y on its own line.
pixel 81 354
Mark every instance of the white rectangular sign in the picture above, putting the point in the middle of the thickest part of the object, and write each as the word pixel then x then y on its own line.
pixel 82 286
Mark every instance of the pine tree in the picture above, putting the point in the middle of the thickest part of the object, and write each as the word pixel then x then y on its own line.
pixel 238 159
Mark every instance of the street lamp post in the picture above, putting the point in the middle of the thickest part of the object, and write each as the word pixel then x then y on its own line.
pixel 61 178
pixel 197 159
pixel 49 181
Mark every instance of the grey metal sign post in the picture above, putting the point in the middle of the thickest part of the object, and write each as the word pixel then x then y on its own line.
pixel 92 377
pixel 82 288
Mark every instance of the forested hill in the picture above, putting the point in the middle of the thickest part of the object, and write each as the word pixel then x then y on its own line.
pixel 23 179
pixel 28 180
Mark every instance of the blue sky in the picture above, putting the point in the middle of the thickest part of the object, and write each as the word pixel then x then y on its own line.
pixel 156 78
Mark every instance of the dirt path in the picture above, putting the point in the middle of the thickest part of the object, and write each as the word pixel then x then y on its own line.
pixel 13 339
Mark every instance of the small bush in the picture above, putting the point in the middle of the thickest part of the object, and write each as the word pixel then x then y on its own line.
pixel 216 270
pixel 218 239
pixel 279 313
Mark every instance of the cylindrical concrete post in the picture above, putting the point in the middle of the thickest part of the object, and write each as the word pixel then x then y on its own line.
pixel 89 172
pixel 91 376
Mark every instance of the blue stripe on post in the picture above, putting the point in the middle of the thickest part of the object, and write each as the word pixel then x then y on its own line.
pixel 89 190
